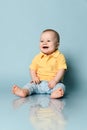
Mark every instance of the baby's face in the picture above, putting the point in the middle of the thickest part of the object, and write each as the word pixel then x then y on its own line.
pixel 48 42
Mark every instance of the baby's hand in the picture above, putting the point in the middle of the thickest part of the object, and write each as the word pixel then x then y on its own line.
pixel 51 84
pixel 35 80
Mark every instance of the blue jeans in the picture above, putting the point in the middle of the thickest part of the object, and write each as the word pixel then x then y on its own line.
pixel 42 87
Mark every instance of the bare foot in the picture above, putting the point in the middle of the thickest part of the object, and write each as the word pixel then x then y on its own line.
pixel 57 93
pixel 19 91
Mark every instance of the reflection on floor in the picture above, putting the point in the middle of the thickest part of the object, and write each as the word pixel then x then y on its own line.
pixel 45 113
pixel 39 112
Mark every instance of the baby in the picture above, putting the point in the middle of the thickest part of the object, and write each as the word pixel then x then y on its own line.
pixel 47 69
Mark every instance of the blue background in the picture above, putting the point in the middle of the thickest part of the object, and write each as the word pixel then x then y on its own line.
pixel 21 23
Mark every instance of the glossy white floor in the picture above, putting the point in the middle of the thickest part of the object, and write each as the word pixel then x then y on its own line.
pixel 39 112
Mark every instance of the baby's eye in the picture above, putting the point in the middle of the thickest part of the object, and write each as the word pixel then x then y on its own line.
pixel 41 41
pixel 48 40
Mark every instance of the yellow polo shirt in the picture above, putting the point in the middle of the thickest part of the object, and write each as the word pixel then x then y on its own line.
pixel 47 66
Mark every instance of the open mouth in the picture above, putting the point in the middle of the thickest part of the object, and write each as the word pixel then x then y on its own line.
pixel 45 47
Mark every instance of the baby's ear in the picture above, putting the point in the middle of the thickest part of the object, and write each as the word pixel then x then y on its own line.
pixel 57 45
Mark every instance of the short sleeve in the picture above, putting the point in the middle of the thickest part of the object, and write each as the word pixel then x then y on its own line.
pixel 34 64
pixel 62 62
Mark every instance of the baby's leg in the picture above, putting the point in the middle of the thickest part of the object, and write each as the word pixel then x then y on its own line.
pixel 57 93
pixel 21 92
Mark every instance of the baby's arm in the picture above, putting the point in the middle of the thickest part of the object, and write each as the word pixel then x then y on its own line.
pixel 57 78
pixel 35 78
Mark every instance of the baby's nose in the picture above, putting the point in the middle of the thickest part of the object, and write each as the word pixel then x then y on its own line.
pixel 45 43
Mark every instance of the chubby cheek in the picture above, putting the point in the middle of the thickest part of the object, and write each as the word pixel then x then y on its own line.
pixel 52 48
pixel 40 46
